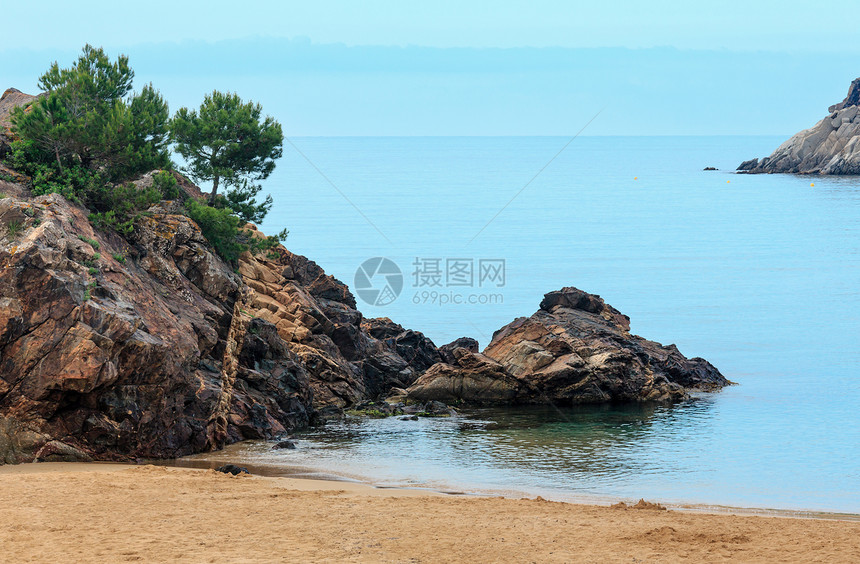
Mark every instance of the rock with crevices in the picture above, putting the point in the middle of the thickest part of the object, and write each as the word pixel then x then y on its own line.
pixel 574 349
pixel 830 147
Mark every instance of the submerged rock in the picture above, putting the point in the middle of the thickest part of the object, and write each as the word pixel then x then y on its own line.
pixel 575 349
pixel 832 146
pixel 286 444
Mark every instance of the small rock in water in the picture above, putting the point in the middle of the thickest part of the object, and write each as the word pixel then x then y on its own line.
pixel 436 407
pixel 710 168
pixel 284 444
pixel 232 469
pixel 409 418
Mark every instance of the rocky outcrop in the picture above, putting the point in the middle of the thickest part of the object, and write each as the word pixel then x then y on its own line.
pixel 114 350
pixel 348 358
pixel 575 349
pixel 10 99
pixel 852 99
pixel 153 347
pixel 832 146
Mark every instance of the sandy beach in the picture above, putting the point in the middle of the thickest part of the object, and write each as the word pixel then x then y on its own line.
pixel 115 513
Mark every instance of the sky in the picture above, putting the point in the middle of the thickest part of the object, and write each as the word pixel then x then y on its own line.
pixel 782 25
pixel 383 67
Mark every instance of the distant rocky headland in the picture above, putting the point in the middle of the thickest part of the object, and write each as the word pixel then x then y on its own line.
pixel 832 146
pixel 149 345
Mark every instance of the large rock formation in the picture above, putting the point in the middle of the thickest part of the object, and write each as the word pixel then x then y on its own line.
pixel 472 378
pixel 575 349
pixel 832 146
pixel 10 99
pixel 152 346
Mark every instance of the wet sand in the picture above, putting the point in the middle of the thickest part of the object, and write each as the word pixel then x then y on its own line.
pixel 116 513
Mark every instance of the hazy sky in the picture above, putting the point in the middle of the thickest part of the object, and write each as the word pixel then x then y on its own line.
pixel 383 67
pixel 781 25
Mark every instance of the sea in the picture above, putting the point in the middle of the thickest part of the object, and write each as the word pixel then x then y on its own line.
pixel 759 274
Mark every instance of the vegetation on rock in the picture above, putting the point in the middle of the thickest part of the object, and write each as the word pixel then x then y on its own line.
pixel 87 137
pixel 88 125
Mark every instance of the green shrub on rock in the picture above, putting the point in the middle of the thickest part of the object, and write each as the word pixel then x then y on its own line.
pixel 219 226
pixel 121 205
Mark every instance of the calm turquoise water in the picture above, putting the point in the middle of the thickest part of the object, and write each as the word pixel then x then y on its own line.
pixel 758 274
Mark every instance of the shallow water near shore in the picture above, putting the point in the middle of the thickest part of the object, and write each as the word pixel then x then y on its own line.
pixel 759 274
pixel 589 454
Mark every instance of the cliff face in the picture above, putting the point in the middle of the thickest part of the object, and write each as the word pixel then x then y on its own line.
pixel 832 146
pixel 347 358
pixel 114 349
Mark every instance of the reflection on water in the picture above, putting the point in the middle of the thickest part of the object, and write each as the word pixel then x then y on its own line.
pixel 674 454
pixel 582 449
pixel 572 450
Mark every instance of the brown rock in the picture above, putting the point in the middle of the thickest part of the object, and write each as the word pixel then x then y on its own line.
pixel 347 357
pixel 447 351
pixel 11 99
pixel 575 349
pixel 578 349
pixel 137 360
pixel 474 380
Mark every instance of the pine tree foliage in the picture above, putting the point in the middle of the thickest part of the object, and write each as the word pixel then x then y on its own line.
pixel 89 135
pixel 88 119
pixel 227 141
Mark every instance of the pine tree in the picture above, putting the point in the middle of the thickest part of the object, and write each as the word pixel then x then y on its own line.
pixel 242 200
pixel 228 142
pixel 85 120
